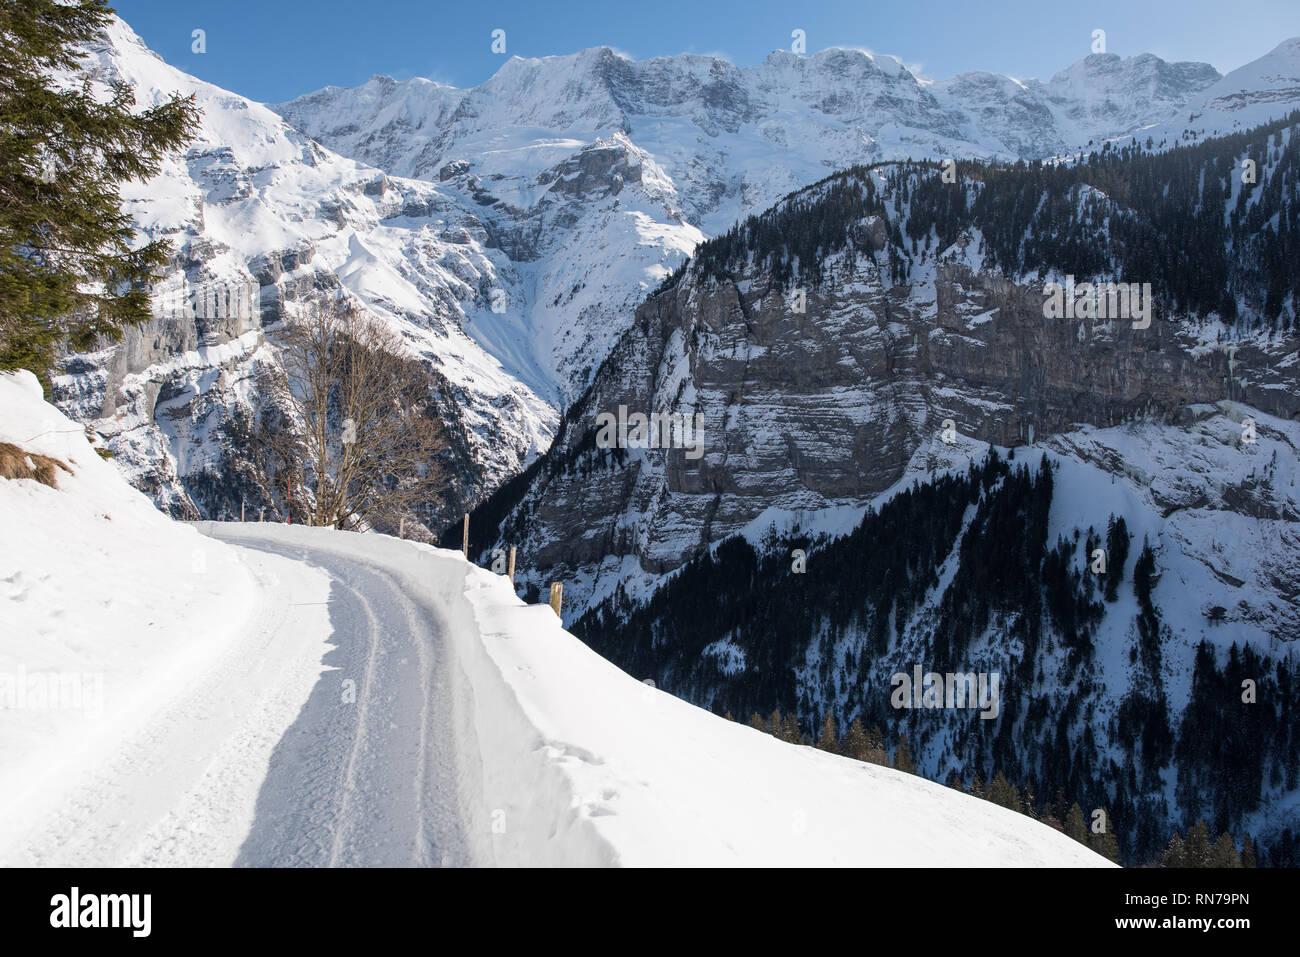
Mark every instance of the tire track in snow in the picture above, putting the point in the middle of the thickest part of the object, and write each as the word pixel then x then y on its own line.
pixel 370 783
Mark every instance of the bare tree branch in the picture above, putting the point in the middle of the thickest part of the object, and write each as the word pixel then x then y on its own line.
pixel 363 427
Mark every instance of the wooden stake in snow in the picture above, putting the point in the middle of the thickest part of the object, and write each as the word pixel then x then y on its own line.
pixel 557 591
pixel 464 544
pixel 261 514
pixel 241 510
pixel 401 527
pixel 510 569
pixel 288 501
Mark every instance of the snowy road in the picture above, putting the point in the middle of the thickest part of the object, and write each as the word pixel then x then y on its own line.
pixel 365 776
pixel 314 736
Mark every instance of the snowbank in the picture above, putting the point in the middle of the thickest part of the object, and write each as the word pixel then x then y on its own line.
pixel 658 781
pixel 106 605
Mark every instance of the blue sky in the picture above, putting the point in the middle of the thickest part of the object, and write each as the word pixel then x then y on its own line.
pixel 273 50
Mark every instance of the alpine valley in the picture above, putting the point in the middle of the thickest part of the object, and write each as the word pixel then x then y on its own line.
pixel 839 270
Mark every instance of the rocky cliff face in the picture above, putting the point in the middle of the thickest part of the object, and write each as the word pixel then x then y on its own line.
pixel 829 407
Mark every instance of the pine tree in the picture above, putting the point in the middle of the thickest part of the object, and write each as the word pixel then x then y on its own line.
pixel 1028 804
pixel 876 752
pixel 1012 797
pixel 790 730
pixel 1175 854
pixel 1223 852
pixel 829 739
pixel 1197 847
pixel 1248 858
pixel 775 723
pixel 1075 826
pixel 1003 792
pixel 1105 843
pixel 855 743
pixel 1117 542
pixel 756 722
pixel 997 789
pixel 69 274
pixel 903 755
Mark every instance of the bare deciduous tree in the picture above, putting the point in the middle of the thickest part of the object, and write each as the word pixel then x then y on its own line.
pixel 366 435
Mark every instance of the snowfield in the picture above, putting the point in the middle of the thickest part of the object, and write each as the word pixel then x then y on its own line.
pixel 275 695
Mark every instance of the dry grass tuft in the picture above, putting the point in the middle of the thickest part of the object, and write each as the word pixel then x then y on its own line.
pixel 15 463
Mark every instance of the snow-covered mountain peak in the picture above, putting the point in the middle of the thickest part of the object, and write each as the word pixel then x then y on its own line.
pixel 253 200
pixel 734 139
pixel 1264 89
pixel 1104 89
pixel 1272 78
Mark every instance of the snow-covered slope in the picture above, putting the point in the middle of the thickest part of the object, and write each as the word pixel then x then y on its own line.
pixel 254 201
pixel 1262 90
pixel 105 606
pixel 175 761
pixel 649 780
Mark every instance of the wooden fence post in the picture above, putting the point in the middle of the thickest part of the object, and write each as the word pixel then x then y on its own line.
pixel 464 544
pixel 557 591
pixel 510 571
pixel 401 527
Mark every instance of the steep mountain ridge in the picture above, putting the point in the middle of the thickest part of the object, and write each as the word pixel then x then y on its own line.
pixel 828 407
pixel 833 108
pixel 254 205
